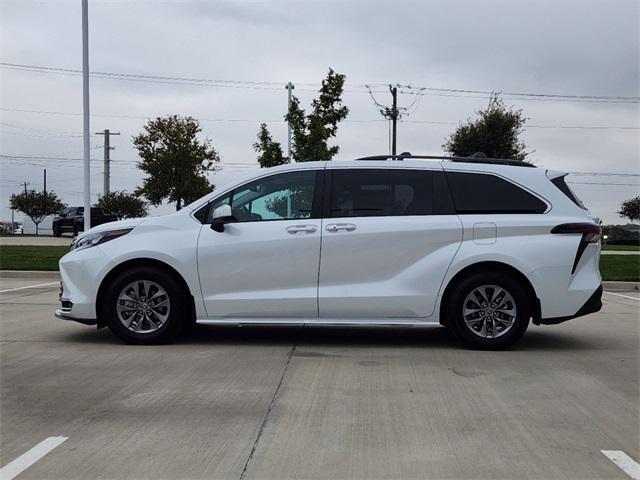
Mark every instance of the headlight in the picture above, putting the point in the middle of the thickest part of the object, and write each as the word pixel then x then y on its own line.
pixel 93 239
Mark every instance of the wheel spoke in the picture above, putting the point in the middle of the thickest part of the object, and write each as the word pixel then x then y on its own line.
pixel 164 301
pixel 135 321
pixel 130 293
pixel 156 323
pixel 157 294
pixel 483 328
pixel 498 298
pixel 480 296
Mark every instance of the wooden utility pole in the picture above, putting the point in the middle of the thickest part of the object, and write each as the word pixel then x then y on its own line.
pixel 393 115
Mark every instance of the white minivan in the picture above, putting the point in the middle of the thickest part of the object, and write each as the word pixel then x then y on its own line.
pixel 479 245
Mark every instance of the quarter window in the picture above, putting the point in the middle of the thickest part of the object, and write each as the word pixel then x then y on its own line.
pixel 377 192
pixel 482 193
pixel 564 188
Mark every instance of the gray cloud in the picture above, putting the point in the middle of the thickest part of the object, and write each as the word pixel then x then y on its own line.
pixel 588 48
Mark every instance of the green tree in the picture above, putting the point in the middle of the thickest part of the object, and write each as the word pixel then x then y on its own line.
pixel 496 133
pixel 630 209
pixel 36 205
pixel 311 132
pixel 269 152
pixel 175 161
pixel 122 205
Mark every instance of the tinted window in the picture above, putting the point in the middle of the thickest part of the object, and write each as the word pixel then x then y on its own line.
pixel 371 193
pixel 483 193
pixel 286 196
pixel 564 188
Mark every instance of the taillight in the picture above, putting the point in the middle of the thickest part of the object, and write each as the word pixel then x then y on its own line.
pixel 590 231
pixel 590 234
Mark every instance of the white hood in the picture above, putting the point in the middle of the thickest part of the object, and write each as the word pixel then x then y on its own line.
pixel 127 223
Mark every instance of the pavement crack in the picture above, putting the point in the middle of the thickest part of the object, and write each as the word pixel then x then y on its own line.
pixel 268 413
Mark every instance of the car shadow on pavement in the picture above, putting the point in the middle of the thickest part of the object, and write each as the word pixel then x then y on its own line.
pixel 260 335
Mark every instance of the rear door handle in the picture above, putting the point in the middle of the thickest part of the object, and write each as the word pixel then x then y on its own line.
pixel 336 227
pixel 293 229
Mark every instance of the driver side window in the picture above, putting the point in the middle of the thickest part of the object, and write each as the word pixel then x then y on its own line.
pixel 285 196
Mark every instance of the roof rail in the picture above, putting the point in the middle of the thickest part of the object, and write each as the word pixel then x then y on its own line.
pixel 476 158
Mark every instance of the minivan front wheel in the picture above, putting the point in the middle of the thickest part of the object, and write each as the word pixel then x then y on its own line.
pixel 488 310
pixel 145 306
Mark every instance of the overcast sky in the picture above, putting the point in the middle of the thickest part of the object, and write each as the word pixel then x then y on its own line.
pixel 566 48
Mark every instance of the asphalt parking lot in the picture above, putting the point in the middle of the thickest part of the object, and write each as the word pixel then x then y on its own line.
pixel 284 403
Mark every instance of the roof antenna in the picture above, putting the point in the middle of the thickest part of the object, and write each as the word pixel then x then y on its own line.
pixel 479 155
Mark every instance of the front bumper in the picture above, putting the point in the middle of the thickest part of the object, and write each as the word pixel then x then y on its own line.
pixel 592 305
pixel 65 316
pixel 81 272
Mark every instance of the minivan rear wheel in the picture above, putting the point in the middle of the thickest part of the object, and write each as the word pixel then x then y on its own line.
pixel 145 306
pixel 488 311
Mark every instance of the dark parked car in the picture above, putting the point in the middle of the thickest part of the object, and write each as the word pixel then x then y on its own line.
pixel 71 219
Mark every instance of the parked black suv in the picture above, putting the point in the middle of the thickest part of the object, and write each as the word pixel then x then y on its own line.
pixel 71 219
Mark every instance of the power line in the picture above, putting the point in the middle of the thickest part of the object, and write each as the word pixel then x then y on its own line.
pixel 570 127
pixel 225 164
pixel 606 183
pixel 267 85
pixel 537 95
pixel 606 174
pixel 160 79
pixel 37 132
pixel 246 120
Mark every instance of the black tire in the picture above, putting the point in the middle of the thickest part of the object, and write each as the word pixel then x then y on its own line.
pixel 463 331
pixel 177 312
pixel 56 232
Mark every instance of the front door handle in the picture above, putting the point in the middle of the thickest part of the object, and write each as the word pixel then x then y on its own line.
pixel 301 229
pixel 336 227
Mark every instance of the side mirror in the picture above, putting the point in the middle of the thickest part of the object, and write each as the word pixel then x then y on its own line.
pixel 221 216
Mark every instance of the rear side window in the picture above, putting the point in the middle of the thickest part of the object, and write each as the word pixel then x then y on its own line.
pixel 477 193
pixel 381 193
pixel 564 188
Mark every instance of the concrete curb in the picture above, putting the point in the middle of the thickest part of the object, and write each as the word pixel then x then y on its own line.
pixel 621 286
pixel 29 274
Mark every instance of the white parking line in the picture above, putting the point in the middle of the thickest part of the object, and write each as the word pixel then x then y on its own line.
pixel 624 461
pixel 29 286
pixel 623 296
pixel 24 461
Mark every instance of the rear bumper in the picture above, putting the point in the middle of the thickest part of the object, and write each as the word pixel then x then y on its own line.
pixel 592 305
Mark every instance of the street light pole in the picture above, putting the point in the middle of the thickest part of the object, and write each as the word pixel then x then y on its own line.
pixel 289 86
pixel 85 115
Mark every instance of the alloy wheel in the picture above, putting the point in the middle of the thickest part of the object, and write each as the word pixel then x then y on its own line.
pixel 143 306
pixel 489 311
